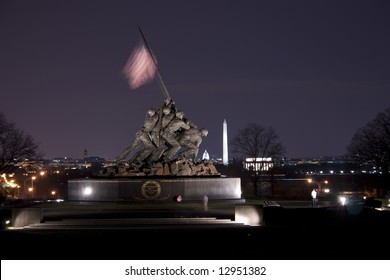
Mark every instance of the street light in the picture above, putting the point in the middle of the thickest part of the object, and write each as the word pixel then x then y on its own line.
pixel 31 188
pixel 54 194
pixel 31 191
pixel 13 186
pixel 32 185
pixel 310 180
pixel 18 190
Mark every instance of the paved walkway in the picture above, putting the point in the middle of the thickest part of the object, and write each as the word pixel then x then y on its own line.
pixel 288 233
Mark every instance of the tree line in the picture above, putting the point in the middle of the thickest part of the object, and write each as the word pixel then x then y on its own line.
pixel 15 146
pixel 369 145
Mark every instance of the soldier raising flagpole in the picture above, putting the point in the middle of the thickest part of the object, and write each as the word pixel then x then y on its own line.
pixel 164 132
pixel 141 67
pixel 165 91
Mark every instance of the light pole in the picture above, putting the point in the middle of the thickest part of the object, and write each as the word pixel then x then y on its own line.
pixel 13 186
pixel 319 186
pixel 31 188
pixel 310 180
pixel 54 194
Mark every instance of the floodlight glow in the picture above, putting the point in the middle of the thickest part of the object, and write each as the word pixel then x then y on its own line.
pixel 249 215
pixel 88 191
pixel 343 200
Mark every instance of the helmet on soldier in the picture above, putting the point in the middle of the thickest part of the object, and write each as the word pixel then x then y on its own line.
pixel 151 111
pixel 166 110
pixel 179 114
pixel 169 101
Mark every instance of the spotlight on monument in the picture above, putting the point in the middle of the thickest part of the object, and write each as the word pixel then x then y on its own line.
pixel 249 215
pixel 6 222
pixel 343 200
pixel 87 191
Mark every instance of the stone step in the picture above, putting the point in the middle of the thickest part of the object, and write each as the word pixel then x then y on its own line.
pixel 135 222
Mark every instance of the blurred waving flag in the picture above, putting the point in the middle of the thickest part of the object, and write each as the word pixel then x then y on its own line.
pixel 140 68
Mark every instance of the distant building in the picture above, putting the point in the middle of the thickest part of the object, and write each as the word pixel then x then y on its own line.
pixel 258 164
pixel 94 159
pixel 70 163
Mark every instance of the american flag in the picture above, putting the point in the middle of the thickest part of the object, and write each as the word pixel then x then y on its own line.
pixel 140 68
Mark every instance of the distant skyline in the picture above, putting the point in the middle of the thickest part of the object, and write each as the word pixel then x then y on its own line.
pixel 315 71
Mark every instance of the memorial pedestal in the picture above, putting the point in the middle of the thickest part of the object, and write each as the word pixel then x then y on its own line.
pixel 154 189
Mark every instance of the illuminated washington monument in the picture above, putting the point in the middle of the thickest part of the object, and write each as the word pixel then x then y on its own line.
pixel 225 160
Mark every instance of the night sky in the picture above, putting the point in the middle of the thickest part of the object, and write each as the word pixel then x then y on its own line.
pixel 315 71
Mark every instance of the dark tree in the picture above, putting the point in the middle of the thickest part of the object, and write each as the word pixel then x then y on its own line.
pixel 256 141
pixel 371 143
pixel 15 146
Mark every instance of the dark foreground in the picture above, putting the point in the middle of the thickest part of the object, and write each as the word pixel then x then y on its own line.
pixel 295 233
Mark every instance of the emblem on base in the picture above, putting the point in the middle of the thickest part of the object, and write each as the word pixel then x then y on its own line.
pixel 151 189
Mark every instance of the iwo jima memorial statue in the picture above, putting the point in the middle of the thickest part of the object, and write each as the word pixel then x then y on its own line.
pixel 163 163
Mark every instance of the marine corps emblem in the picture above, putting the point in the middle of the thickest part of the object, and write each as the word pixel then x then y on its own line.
pixel 151 189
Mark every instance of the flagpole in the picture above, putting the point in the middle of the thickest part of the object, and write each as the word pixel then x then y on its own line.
pixel 165 91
